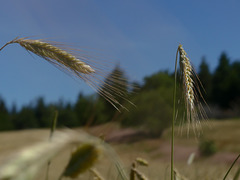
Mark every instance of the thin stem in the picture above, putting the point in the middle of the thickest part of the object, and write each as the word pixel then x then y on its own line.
pixel 231 167
pixel 173 119
pixel 10 42
pixel 132 172
pixel 53 127
pixel 5 45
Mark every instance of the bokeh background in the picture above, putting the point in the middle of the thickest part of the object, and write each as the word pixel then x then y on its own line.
pixel 142 36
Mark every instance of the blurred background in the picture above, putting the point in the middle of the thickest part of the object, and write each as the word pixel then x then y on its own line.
pixel 140 38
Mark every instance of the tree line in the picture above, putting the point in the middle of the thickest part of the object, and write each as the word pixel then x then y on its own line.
pixel 222 87
pixel 152 98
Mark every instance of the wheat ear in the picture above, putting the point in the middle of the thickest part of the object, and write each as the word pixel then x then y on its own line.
pixel 54 55
pixel 191 91
pixel 79 66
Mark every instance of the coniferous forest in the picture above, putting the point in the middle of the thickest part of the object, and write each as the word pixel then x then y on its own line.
pixel 152 99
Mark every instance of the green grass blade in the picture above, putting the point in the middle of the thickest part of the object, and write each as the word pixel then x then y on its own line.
pixel 237 175
pixel 231 167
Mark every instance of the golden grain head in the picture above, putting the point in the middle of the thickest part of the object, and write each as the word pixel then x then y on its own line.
pixel 139 175
pixel 141 161
pixel 50 52
pixel 81 65
pixel 187 72
pixel 191 91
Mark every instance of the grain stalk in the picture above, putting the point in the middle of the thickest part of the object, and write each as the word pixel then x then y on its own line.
pixel 191 91
pixel 231 167
pixel 81 66
pixel 194 111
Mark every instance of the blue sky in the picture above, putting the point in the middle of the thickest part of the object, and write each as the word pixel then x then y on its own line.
pixel 140 35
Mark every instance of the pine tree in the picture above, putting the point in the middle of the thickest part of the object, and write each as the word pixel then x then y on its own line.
pixel 116 81
pixel 206 79
pixel 221 82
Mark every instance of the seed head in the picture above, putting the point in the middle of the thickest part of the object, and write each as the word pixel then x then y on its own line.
pixel 187 72
pixel 81 66
pixel 191 91
pixel 54 54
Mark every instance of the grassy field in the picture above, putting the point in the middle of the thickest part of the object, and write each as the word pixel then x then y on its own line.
pixel 225 135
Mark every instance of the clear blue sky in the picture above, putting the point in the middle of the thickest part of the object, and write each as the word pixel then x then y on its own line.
pixel 141 35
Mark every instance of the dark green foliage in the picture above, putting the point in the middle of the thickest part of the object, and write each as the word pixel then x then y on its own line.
pixel 100 115
pixel 26 119
pixel 3 108
pixel 153 100
pixel 154 105
pixel 5 122
pixel 207 147
pixel 81 160
pixel 222 87
pixel 153 111
pixel 42 113
pixel 221 82
pixel 226 84
pixel 234 87
pixel 120 87
pixel 83 109
pixel 206 79
pixel 160 79
pixel 66 116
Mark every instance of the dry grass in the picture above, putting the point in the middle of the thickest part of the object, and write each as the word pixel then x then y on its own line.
pixel 26 162
pixel 224 133
pixel 155 151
